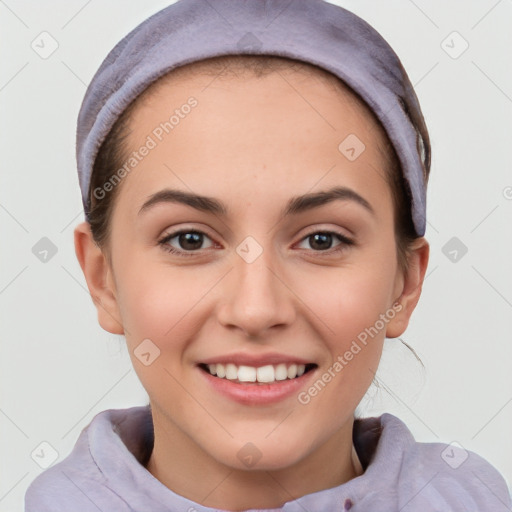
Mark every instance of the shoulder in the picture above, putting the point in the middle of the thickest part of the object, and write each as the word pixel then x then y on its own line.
pixel 62 488
pixel 446 475
pixel 78 482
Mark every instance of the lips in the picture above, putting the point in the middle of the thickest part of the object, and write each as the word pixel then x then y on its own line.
pixel 244 368
pixel 257 379
pixel 245 359
pixel 265 392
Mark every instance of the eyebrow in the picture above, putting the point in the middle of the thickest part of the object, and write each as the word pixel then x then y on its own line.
pixel 294 206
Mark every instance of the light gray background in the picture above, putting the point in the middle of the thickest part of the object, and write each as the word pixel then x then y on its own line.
pixel 59 368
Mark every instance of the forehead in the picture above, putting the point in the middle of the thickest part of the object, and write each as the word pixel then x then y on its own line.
pixel 288 123
pixel 264 71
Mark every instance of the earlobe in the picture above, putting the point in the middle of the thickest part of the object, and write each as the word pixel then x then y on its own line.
pixel 411 289
pixel 98 274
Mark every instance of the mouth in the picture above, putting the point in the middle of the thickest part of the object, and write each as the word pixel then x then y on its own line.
pixel 265 374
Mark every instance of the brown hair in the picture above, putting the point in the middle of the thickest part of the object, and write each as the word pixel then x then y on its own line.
pixel 111 155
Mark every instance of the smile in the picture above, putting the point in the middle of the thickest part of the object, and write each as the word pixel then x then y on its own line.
pixel 263 374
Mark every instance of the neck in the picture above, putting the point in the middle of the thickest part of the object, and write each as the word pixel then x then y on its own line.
pixel 182 466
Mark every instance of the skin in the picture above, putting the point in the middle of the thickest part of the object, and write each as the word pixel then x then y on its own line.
pixel 263 144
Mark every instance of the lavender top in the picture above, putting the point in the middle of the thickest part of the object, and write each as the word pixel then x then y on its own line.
pixel 106 472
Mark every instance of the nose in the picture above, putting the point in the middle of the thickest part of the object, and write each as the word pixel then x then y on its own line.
pixel 256 296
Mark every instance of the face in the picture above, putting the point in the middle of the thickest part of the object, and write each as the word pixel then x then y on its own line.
pixel 271 255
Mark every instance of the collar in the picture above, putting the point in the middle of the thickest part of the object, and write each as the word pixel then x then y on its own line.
pixel 121 440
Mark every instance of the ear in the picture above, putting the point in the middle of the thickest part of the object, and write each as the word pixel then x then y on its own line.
pixel 99 277
pixel 410 287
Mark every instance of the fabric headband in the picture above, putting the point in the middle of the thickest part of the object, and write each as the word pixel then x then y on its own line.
pixel 313 31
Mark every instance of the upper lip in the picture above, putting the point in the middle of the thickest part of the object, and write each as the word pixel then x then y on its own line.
pixel 245 359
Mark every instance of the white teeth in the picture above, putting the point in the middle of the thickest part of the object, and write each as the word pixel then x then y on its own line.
pixel 281 372
pixel 265 373
pixel 268 373
pixel 246 374
pixel 231 371
pixel 221 371
pixel 292 371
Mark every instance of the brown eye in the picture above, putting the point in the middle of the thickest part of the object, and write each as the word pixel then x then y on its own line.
pixel 323 241
pixel 184 241
pixel 190 241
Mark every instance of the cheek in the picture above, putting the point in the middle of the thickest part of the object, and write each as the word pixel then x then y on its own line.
pixel 349 300
pixel 353 332
pixel 162 305
pixel 157 302
pixel 352 306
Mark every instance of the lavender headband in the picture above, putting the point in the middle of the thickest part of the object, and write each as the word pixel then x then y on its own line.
pixel 313 31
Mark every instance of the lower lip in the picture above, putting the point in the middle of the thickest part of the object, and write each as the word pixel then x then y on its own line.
pixel 250 393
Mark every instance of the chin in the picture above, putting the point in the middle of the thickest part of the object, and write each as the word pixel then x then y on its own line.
pixel 261 455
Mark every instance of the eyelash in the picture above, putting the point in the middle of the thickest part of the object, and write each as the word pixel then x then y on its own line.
pixel 345 242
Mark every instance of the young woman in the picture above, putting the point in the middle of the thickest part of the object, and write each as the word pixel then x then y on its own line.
pixel 254 179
